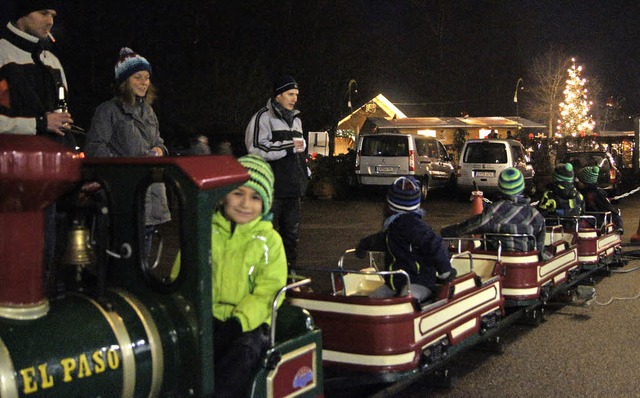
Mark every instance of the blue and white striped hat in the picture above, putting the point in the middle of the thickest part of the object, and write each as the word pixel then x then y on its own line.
pixel 404 195
pixel 130 63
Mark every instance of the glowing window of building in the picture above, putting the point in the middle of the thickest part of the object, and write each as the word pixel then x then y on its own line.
pixel 483 133
pixel 427 133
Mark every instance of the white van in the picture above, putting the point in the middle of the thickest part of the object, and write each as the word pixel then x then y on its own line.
pixel 482 160
pixel 383 157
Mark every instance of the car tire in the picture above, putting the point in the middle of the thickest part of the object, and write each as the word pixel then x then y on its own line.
pixel 424 188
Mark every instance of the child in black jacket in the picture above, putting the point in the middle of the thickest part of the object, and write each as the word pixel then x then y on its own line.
pixel 595 198
pixel 409 243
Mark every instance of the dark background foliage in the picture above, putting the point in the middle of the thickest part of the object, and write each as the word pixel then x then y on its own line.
pixel 214 61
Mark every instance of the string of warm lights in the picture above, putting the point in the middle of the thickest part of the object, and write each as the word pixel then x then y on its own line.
pixel 575 118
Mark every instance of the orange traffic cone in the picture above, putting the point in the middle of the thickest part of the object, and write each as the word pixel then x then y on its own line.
pixel 636 237
pixel 476 202
pixel 476 208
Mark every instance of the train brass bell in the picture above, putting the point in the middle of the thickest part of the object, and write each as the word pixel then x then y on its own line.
pixel 79 251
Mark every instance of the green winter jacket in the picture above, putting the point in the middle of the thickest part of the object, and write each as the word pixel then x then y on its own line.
pixel 249 268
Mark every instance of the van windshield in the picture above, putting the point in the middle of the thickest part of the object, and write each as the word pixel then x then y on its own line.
pixel 385 146
pixel 485 152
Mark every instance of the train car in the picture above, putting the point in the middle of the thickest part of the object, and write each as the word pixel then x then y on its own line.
pixel 103 321
pixel 599 244
pixel 390 339
pixel 527 278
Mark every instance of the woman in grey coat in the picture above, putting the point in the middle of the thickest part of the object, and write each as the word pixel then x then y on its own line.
pixel 127 126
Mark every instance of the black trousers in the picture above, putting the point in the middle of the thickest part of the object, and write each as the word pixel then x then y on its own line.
pixel 286 220
pixel 237 359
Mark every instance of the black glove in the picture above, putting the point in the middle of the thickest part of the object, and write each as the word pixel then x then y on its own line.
pixel 451 276
pixel 235 327
pixel 360 253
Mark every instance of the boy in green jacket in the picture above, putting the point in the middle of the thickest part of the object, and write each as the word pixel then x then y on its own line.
pixel 249 268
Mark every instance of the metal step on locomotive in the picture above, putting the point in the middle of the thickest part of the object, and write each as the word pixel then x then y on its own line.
pixel 113 325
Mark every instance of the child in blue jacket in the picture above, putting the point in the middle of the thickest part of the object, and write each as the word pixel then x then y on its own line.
pixel 409 243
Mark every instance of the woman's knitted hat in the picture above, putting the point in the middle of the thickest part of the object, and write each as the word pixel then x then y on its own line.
pixel 511 181
pixel 284 83
pixel 261 179
pixel 563 173
pixel 129 63
pixel 404 195
pixel 589 175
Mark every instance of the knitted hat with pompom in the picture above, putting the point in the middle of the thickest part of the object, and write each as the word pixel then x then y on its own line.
pixel 563 173
pixel 129 63
pixel 404 195
pixel 589 175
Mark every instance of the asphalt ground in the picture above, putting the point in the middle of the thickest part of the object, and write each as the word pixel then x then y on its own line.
pixel 583 351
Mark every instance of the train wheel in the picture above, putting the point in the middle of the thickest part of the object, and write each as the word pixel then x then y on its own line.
pixel 492 345
pixel 533 316
pixel 440 378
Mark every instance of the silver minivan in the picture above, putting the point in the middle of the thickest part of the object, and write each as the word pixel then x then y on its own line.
pixel 482 160
pixel 383 157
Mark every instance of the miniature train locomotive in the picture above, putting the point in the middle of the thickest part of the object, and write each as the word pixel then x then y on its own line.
pixel 112 324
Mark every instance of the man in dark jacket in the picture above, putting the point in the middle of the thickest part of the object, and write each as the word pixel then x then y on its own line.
pixel 275 134
pixel 409 243
pixel 31 76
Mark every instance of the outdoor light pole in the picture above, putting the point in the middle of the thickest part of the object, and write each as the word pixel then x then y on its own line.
pixel 515 99
pixel 352 83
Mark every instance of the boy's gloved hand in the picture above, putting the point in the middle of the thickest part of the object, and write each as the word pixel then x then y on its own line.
pixel 360 253
pixel 235 328
pixel 448 276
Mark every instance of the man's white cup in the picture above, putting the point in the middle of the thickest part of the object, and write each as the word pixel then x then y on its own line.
pixel 298 144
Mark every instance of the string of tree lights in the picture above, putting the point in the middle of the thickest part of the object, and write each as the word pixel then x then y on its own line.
pixel 575 118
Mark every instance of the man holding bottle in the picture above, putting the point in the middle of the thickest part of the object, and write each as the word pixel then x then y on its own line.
pixel 32 76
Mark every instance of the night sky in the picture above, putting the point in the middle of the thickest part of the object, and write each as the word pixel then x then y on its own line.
pixel 214 61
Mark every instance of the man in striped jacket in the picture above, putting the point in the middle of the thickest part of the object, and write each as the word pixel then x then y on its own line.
pixel 275 134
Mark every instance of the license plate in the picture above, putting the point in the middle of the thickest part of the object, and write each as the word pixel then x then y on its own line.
pixel 485 173
pixel 385 169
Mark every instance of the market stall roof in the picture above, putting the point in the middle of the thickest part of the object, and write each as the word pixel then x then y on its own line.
pixel 489 122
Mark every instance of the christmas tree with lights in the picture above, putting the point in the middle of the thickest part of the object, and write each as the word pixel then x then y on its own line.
pixel 574 110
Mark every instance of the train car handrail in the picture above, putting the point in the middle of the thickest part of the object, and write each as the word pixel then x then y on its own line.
pixel 274 305
pixel 342 272
pixel 461 239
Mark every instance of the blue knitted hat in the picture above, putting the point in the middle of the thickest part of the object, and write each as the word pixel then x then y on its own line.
pixel 563 173
pixel 404 195
pixel 589 175
pixel 129 63
pixel 511 181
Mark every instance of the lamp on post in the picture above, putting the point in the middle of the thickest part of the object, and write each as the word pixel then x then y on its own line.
pixel 515 99
pixel 352 83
